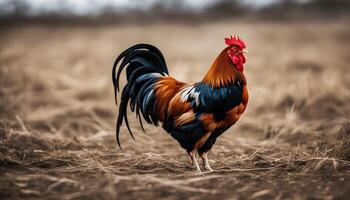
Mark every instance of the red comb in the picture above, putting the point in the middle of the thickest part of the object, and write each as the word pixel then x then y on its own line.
pixel 235 40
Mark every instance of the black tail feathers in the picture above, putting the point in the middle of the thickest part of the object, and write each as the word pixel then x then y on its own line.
pixel 144 65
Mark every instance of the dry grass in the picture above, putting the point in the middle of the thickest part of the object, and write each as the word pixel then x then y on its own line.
pixel 57 115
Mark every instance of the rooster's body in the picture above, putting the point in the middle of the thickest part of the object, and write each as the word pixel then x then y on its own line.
pixel 194 114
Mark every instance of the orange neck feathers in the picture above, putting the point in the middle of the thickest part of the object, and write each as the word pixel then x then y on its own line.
pixel 222 72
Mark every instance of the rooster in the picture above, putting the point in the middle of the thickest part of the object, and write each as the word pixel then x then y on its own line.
pixel 193 114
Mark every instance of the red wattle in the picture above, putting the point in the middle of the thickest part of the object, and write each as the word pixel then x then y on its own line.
pixel 237 60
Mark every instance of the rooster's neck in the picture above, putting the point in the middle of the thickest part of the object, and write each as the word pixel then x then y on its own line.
pixel 222 72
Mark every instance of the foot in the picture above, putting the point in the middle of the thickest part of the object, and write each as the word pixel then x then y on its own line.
pixel 205 160
pixel 207 167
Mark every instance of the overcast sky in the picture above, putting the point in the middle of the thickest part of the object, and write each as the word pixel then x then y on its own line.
pixel 85 7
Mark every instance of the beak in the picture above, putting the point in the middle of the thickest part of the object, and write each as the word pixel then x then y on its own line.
pixel 245 51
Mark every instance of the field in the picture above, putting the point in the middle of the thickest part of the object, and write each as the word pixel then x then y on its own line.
pixel 57 109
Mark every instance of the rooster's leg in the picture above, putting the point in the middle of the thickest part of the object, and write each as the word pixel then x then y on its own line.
pixel 205 160
pixel 194 160
pixel 190 157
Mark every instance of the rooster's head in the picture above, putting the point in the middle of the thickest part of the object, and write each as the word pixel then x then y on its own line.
pixel 236 51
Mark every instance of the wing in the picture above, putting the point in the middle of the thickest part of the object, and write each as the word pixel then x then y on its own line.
pixel 204 98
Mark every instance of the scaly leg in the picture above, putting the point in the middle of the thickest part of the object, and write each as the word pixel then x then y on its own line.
pixel 194 160
pixel 205 160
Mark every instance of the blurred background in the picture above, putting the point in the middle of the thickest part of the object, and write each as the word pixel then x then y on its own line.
pixel 57 108
pixel 103 11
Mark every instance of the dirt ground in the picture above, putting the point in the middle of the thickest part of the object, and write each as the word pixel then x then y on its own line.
pixel 57 137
